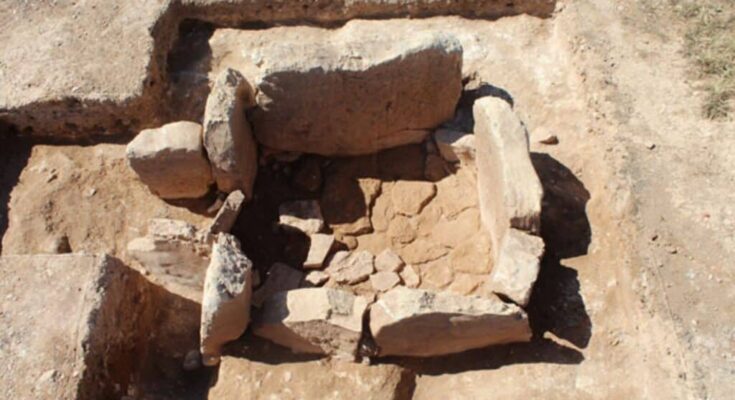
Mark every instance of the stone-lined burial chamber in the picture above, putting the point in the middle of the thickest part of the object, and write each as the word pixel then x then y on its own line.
pixel 421 240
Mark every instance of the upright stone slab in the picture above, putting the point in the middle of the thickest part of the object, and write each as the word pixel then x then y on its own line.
pixel 413 322
pixel 228 213
pixel 170 160
pixel 70 326
pixel 353 90
pixel 227 135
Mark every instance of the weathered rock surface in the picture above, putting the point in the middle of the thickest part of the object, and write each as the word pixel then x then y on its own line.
pixel 509 190
pixel 517 266
pixel 315 278
pixel 415 322
pixel 226 298
pixel 303 216
pixel 384 280
pixel 313 320
pixel 170 160
pixel 410 197
pixel 455 146
pixel 351 268
pixel 280 278
pixel 410 277
pixel 353 90
pixel 319 248
pixel 227 214
pixel 241 379
pixel 70 325
pixel 227 135
pixel 388 260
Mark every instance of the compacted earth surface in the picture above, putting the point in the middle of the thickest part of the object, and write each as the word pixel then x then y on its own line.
pixel 634 292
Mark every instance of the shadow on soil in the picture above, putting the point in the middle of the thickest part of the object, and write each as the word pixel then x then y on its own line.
pixel 14 155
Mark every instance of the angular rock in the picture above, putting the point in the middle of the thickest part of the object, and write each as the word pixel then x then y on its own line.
pixel 435 168
pixel 319 248
pixel 413 322
pixel 509 190
pixel 455 146
pixel 170 160
pixel 315 278
pixel 402 230
pixel 410 277
pixel 70 326
pixel 410 197
pixel 227 214
pixel 517 266
pixel 280 278
pixel 303 215
pixel 313 320
pixel 351 268
pixel 384 280
pixel 388 260
pixel 227 135
pixel 353 90
pixel 437 274
pixel 240 379
pixel 226 299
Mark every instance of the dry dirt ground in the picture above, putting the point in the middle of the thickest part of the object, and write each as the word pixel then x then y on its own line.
pixel 636 290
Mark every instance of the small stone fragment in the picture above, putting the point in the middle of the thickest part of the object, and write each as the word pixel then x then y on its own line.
pixel 280 278
pixel 59 245
pixel 388 260
pixel 304 216
pixel 226 298
pixel 315 278
pixel 410 197
pixel 351 268
pixel 228 213
pixel 550 140
pixel 384 280
pixel 320 246
pixel 410 277
pixel 455 146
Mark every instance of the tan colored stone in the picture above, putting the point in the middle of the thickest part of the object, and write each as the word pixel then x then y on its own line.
pixel 315 278
pixel 410 277
pixel 458 194
pixel 321 245
pixel 455 145
pixel 466 284
pixel 384 280
pixel 410 197
pixel 228 213
pixel 170 160
pixel 430 216
pixel 462 228
pixel 280 278
pixel 347 200
pixel 226 299
pixel 388 260
pixel 415 322
pixel 382 213
pixel 437 274
pixel 227 135
pixel 517 266
pixel 421 251
pixel 473 256
pixel 402 230
pixel 242 379
pixel 303 215
pixel 313 320
pixel 351 268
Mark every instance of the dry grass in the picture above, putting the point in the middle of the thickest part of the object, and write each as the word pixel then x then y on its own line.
pixel 710 43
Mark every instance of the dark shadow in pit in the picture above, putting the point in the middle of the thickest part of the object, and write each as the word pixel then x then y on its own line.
pixel 14 154
pixel 464 119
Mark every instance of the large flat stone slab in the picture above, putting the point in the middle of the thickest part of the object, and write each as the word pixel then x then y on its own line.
pixel 69 326
pixel 413 322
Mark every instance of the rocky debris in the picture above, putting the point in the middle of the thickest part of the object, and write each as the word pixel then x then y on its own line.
pixel 410 197
pixel 455 146
pixel 413 322
pixel 388 260
pixel 321 245
pixel 227 214
pixel 170 160
pixel 351 268
pixel 377 91
pixel 303 216
pixel 280 278
pixel 410 277
pixel 71 326
pixel 240 378
pixel 315 278
pixel 509 190
pixel 227 135
pixel 384 280
pixel 226 298
pixel 313 320
pixel 517 266
pixel 309 175
pixel 171 229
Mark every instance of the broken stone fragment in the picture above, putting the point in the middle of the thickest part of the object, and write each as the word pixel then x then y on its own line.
pixel 319 248
pixel 455 146
pixel 303 215
pixel 170 160
pixel 227 135
pixel 410 277
pixel 227 214
pixel 392 94
pixel 384 280
pixel 517 266
pixel 351 268
pixel 71 326
pixel 388 260
pixel 280 277
pixel 315 278
pixel 509 190
pixel 226 298
pixel 313 320
pixel 410 197
pixel 413 322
